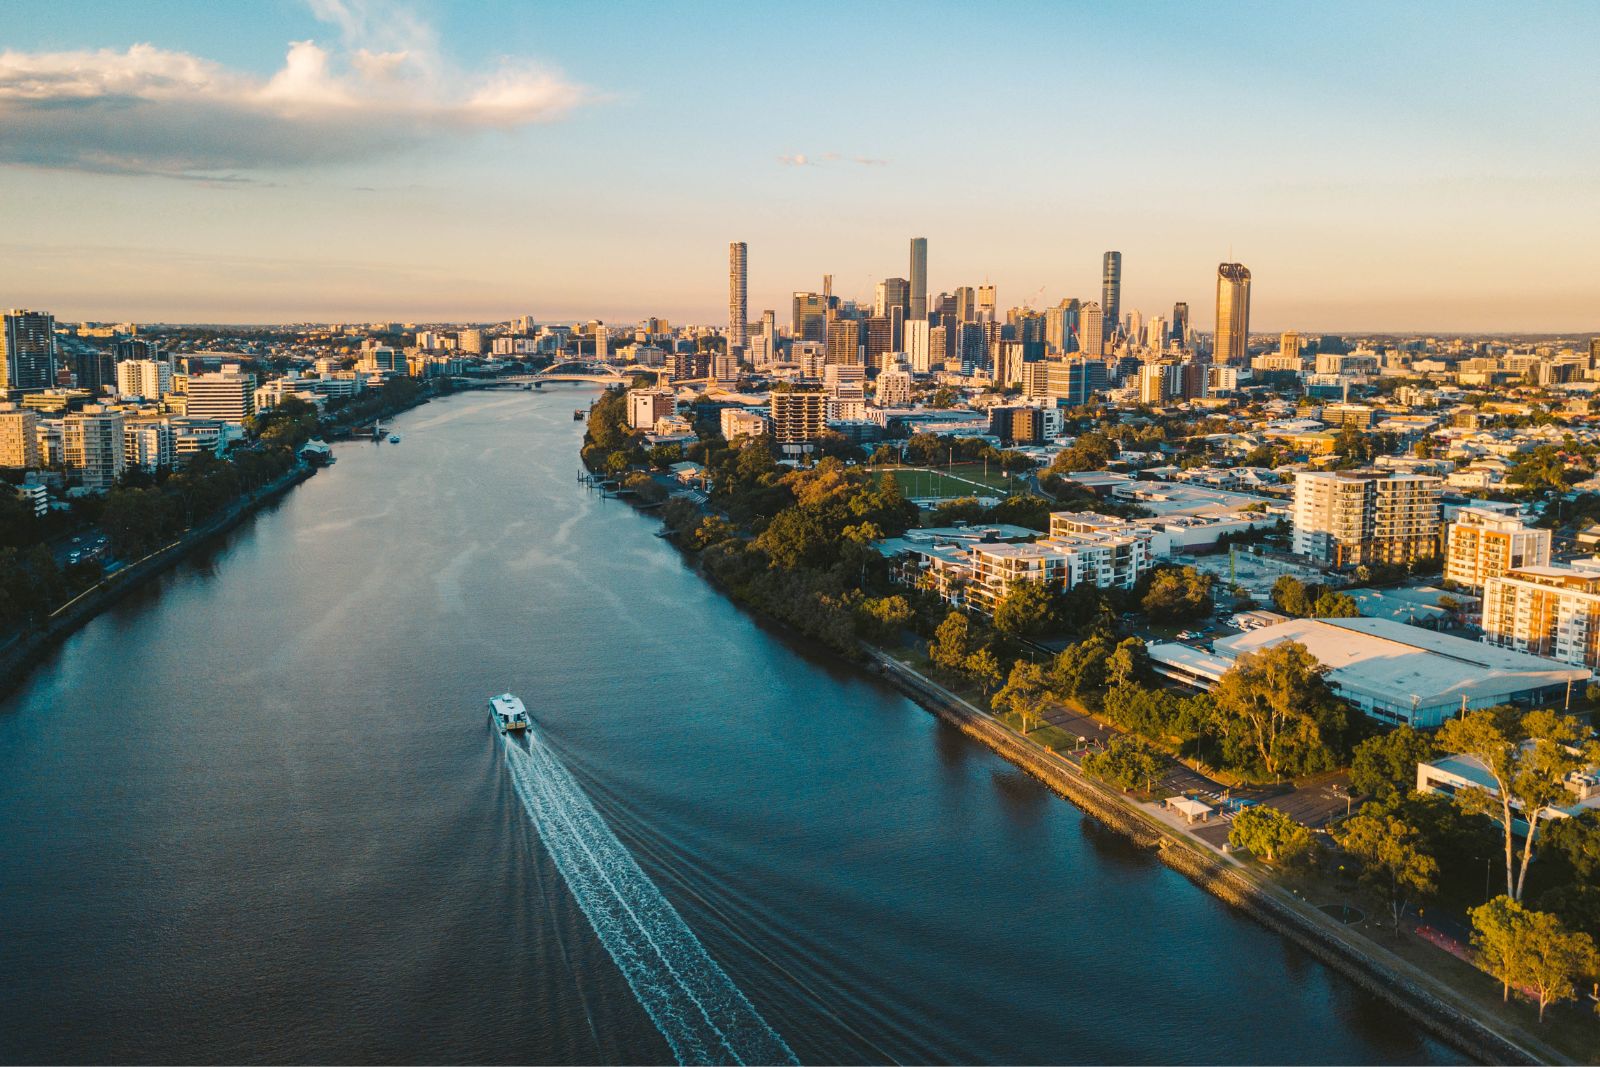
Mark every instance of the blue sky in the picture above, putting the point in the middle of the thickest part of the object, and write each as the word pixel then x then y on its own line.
pixel 1399 166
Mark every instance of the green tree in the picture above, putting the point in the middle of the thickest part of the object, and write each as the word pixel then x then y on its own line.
pixel 1532 950
pixel 1128 665
pixel 1081 667
pixel 951 642
pixel 1395 865
pixel 1332 605
pixel 1577 840
pixel 1269 834
pixel 1529 756
pixel 1276 705
pixel 1127 762
pixel 1387 763
pixel 1177 595
pixel 984 668
pixel 1027 609
pixel 1289 596
pixel 1026 694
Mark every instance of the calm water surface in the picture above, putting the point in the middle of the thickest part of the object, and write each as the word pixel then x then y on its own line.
pixel 255 813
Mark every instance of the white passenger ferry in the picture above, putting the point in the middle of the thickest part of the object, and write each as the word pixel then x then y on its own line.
pixel 507 713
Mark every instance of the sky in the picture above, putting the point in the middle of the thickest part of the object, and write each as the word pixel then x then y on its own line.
pixel 1430 167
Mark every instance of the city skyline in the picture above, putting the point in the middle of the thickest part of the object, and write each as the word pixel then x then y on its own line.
pixel 337 160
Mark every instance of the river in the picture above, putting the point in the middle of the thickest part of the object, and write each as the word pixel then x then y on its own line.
pixel 255 812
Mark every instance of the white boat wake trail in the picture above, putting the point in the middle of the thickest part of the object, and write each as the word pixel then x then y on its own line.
pixel 697 1008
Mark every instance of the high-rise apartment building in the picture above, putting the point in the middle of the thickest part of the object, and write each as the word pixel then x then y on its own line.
pixel 1349 518
pixel 810 319
pixel 738 297
pixel 1091 331
pixel 919 278
pixel 135 348
pixel 1481 544
pixel 19 437
pixel 1545 611
pixel 919 346
pixel 149 445
pixel 1110 292
pixel 892 388
pixel 966 304
pixel 92 444
pixel 27 352
pixel 1233 314
pixel 150 379
pixel 798 419
pixel 229 395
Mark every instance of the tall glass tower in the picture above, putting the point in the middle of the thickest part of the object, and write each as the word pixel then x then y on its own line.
pixel 1111 293
pixel 1233 314
pixel 919 278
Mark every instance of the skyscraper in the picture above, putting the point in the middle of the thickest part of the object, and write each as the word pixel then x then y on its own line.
pixel 1180 324
pixel 810 320
pixel 919 278
pixel 1110 293
pixel 1233 314
pixel 892 293
pixel 738 297
pixel 986 303
pixel 27 351
pixel 1091 331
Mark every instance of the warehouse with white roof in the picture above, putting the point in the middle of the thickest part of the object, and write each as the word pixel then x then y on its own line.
pixel 1394 672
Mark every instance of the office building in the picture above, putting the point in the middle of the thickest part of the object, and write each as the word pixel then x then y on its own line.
pixel 228 396
pixel 1546 611
pixel 985 311
pixel 919 278
pixel 27 352
pixel 1110 292
pixel 1061 328
pixel 1091 331
pixel 1074 382
pixel 19 437
pixel 1481 544
pixel 738 297
pixel 92 445
pixel 799 419
pixel 810 319
pixel 1355 517
pixel 1233 314
pixel 1289 346
pixel 877 340
pixel 893 293
pixel 844 342
pixel 134 348
pixel 1180 324
pixel 150 379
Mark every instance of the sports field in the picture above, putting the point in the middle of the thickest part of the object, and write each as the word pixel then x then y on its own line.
pixel 962 479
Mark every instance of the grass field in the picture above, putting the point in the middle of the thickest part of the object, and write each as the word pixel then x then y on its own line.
pixel 963 479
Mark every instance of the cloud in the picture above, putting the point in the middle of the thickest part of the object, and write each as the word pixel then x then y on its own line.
pixel 147 110
pixel 801 159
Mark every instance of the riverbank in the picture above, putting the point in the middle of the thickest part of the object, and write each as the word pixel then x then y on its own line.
pixel 25 651
pixel 1434 1006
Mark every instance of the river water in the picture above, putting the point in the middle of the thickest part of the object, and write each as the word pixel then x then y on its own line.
pixel 256 813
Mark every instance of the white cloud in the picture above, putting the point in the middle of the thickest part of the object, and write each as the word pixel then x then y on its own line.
pixel 147 110
pixel 801 159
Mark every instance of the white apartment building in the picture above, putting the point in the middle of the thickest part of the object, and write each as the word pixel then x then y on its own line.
pixel 737 423
pixel 1349 518
pixel 149 445
pixel 150 379
pixel 1481 544
pixel 1546 611
pixel 92 444
pixel 228 395
pixel 894 387
pixel 646 406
